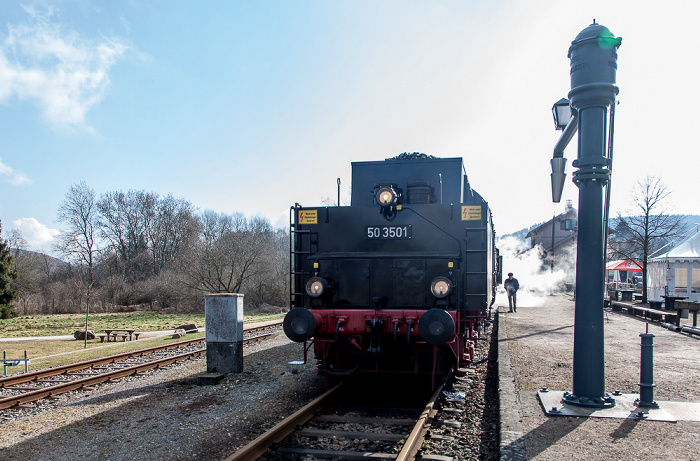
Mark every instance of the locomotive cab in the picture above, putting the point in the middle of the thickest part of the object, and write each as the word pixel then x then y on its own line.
pixel 401 280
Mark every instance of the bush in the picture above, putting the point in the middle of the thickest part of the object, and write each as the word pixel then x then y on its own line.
pixel 7 311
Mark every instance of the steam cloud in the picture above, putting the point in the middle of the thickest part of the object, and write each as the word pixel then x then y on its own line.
pixel 536 278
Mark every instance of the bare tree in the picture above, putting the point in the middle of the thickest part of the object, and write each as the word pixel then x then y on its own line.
pixel 174 226
pixel 124 218
pixel 231 254
pixel 79 211
pixel 647 228
pixel 271 286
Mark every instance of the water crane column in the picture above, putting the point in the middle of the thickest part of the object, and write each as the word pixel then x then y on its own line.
pixel 593 57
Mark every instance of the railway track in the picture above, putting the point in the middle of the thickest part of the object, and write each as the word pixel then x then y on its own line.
pixel 324 429
pixel 17 391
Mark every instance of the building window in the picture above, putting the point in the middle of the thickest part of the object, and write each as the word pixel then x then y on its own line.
pixel 568 224
pixel 681 279
pixel 695 285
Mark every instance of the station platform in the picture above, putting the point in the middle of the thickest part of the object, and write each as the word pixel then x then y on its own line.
pixel 535 349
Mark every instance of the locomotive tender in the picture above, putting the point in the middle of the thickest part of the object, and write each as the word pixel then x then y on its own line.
pixel 401 280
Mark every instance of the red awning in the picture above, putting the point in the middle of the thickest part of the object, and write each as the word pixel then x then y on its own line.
pixel 623 265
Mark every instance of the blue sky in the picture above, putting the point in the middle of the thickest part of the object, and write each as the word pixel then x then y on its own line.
pixel 251 106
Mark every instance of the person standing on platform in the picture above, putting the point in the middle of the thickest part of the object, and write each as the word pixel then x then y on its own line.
pixel 511 285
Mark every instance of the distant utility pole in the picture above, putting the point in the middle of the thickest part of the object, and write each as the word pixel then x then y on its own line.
pixel 551 260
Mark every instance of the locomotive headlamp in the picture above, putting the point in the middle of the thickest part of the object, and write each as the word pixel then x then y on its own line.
pixel 386 196
pixel 441 287
pixel 316 286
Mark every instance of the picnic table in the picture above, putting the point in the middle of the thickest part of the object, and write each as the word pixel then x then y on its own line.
pixel 690 306
pixel 117 333
pixel 671 300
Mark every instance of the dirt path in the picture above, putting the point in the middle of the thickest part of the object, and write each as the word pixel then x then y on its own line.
pixel 540 346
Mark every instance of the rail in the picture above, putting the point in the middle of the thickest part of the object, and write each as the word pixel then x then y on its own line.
pixel 34 394
pixel 52 391
pixel 293 425
pixel 260 445
pixel 31 376
pixel 13 380
pixel 415 439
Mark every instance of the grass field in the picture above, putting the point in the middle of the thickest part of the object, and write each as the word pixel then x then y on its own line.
pixel 52 353
pixel 67 324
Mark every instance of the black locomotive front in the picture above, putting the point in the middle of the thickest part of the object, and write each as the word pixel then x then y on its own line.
pixel 400 280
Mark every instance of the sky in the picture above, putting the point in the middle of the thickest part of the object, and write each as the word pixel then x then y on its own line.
pixel 250 106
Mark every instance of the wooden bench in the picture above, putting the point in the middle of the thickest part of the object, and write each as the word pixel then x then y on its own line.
pixel 653 314
pixel 136 336
pixel 102 337
pixel 123 336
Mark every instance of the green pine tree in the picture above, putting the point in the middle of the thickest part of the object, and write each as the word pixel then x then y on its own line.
pixel 7 275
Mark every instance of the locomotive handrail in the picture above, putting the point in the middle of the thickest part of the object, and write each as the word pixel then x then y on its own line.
pixel 459 244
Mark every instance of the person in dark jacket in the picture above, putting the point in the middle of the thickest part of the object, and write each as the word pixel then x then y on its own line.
pixel 511 285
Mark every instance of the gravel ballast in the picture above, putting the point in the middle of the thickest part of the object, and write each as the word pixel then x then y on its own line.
pixel 166 414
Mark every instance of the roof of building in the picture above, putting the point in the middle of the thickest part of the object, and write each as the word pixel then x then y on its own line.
pixel 687 249
pixel 569 213
pixel 623 265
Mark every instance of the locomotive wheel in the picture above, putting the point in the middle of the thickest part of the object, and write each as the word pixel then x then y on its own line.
pixel 436 327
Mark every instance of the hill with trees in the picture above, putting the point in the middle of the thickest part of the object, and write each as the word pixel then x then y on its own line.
pixel 135 250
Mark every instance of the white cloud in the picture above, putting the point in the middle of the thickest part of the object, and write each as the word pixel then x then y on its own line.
pixel 63 73
pixel 16 178
pixel 37 235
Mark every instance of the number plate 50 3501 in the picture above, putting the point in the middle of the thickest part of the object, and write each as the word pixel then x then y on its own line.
pixel 388 232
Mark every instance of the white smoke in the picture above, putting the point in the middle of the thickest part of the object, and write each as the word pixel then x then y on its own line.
pixel 537 278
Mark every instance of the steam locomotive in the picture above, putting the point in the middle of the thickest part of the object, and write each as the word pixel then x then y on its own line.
pixel 400 281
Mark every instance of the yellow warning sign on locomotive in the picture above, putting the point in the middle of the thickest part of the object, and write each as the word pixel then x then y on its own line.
pixel 471 213
pixel 308 216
